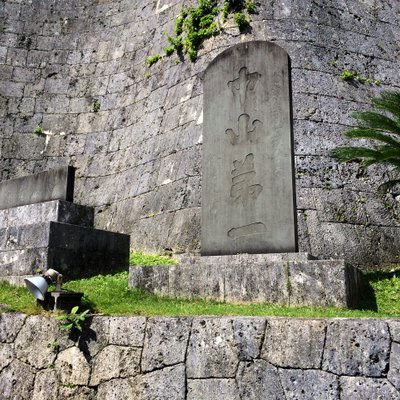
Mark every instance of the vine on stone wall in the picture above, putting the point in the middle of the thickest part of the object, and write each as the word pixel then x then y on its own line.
pixel 196 24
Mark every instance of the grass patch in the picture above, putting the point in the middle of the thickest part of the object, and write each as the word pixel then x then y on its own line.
pixel 139 258
pixel 109 295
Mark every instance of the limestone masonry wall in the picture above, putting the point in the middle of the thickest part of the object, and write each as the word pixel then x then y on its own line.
pixel 200 358
pixel 138 157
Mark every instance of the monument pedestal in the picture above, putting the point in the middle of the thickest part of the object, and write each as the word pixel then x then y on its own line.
pixel 287 279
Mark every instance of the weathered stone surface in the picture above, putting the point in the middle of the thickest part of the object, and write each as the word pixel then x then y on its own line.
pixel 212 351
pixel 165 384
pixel 282 278
pixel 247 106
pixel 394 370
pixel 223 359
pixel 165 342
pixel 33 343
pixel 46 385
pixel 324 282
pixel 212 389
pixel 73 250
pixel 127 331
pixel 96 336
pixel 294 343
pixel 394 328
pixel 248 334
pixel 56 210
pixel 257 380
pixel 309 384
pixel 76 393
pixel 367 388
pixel 57 184
pixel 115 362
pixel 10 325
pixel 16 381
pixel 116 389
pixel 6 355
pixel 356 347
pixel 148 128
pixel 72 367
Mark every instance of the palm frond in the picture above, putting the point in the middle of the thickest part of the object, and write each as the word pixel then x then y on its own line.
pixel 372 134
pixel 352 153
pixel 389 101
pixel 374 120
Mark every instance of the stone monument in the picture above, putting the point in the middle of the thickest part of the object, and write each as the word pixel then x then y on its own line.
pixel 248 201
pixel 248 198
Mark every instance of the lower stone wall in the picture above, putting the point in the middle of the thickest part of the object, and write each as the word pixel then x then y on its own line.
pixel 200 358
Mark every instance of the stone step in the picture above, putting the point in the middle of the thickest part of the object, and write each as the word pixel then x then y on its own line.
pixel 56 210
pixel 74 251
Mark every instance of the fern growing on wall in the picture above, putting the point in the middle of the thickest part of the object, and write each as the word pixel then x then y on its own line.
pixel 196 24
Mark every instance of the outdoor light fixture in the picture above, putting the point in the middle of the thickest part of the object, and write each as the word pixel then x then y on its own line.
pixel 58 299
pixel 38 285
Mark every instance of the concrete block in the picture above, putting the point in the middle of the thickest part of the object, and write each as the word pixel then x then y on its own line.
pixel 74 251
pixel 57 184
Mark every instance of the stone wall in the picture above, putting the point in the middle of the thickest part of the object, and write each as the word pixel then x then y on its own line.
pixel 138 157
pixel 200 358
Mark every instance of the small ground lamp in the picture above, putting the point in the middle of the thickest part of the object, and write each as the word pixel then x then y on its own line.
pixel 58 299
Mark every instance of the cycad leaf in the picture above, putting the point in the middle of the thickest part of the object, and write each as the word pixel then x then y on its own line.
pixel 389 101
pixel 365 133
pixel 373 120
pixel 349 153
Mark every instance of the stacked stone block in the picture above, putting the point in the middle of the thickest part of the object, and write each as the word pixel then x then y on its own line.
pixel 139 155
pixel 59 235
pixel 193 358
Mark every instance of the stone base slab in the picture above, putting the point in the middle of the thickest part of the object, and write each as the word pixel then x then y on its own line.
pixel 288 279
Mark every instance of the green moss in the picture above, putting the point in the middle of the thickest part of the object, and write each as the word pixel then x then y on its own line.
pixel 39 131
pixel 241 21
pixel 152 59
pixel 96 105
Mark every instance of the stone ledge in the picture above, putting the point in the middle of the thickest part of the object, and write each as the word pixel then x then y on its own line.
pixel 291 279
pixel 55 210
pixel 56 184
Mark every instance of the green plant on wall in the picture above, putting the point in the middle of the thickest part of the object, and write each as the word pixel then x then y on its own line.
pixel 39 131
pixel 382 127
pixel 72 321
pixel 96 105
pixel 196 24
pixel 353 76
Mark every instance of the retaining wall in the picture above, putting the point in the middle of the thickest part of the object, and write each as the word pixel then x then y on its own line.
pixel 200 358
pixel 138 157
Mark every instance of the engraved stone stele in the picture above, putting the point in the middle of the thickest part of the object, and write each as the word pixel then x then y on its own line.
pixel 248 201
